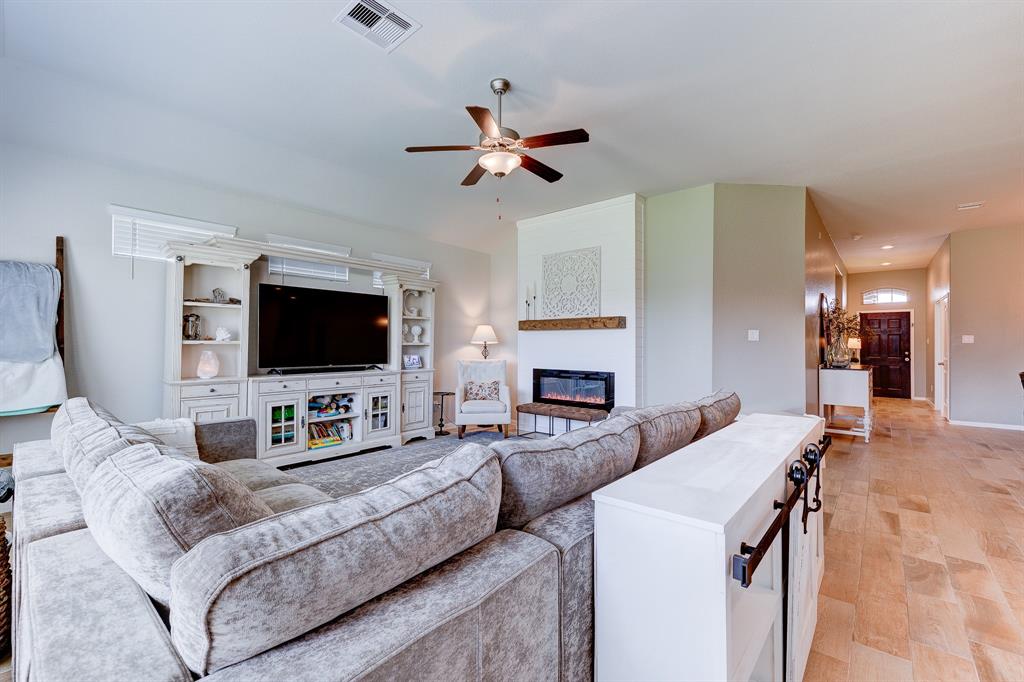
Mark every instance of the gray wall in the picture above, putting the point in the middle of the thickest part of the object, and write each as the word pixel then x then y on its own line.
pixel 679 260
pixel 986 286
pixel 821 264
pixel 916 284
pixel 938 286
pixel 759 284
pixel 115 324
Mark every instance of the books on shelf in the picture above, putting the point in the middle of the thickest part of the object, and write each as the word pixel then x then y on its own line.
pixel 326 434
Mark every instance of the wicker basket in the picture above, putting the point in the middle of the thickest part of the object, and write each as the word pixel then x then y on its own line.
pixel 5 590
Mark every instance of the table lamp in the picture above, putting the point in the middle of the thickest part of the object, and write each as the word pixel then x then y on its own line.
pixel 854 345
pixel 484 335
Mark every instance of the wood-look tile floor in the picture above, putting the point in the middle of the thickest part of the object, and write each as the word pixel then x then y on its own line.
pixel 924 553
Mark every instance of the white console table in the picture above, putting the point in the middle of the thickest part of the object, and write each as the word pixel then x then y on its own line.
pixel 848 387
pixel 666 606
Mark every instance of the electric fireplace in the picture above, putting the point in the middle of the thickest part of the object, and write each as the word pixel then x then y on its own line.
pixel 575 388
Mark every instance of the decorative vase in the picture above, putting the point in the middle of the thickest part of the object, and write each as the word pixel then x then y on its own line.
pixel 839 353
pixel 209 365
pixel 417 332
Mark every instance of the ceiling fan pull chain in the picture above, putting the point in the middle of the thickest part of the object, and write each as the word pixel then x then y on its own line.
pixel 497 199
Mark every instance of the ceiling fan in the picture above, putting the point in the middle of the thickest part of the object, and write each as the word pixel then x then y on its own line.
pixel 504 147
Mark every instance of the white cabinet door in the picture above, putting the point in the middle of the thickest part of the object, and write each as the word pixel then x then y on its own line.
pixel 416 404
pixel 210 409
pixel 282 424
pixel 379 413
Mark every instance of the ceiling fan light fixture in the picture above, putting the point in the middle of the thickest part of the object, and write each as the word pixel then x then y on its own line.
pixel 500 163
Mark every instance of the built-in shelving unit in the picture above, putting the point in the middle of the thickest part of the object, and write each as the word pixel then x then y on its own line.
pixel 387 408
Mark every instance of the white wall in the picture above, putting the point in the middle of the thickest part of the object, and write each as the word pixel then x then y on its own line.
pixel 115 323
pixel 616 226
pixel 679 247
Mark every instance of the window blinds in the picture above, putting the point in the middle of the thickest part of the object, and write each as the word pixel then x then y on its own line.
pixel 300 268
pixel 143 234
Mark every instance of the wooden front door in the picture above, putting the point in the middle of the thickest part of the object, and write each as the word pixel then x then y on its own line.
pixel 885 339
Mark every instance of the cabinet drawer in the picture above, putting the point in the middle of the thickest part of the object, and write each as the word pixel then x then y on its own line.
pixel 279 386
pixel 378 380
pixel 331 384
pixel 208 390
pixel 417 376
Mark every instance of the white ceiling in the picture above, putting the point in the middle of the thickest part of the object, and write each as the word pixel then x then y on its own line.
pixel 892 113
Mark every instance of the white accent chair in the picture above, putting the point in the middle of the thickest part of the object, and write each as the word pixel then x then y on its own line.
pixel 480 412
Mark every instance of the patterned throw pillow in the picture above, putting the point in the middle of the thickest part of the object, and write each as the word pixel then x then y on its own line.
pixel 481 390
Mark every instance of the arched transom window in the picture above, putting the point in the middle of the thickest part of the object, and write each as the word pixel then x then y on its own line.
pixel 886 295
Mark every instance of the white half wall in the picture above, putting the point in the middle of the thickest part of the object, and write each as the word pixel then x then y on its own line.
pixel 616 226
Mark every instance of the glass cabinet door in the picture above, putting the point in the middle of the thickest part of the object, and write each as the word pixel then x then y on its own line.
pixel 378 412
pixel 284 423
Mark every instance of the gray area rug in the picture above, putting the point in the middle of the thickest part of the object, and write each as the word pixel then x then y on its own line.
pixel 359 472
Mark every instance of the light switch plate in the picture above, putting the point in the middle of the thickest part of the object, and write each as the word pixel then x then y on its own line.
pixel 967 338
pixel 753 335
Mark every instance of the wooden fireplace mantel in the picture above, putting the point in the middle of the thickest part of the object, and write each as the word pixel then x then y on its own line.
pixel 561 323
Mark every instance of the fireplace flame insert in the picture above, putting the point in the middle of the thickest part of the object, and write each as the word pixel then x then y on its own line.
pixel 575 388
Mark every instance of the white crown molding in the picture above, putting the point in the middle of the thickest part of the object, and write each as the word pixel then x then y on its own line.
pixel 538 221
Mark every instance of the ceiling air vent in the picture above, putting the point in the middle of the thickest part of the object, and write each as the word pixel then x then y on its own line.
pixel 381 24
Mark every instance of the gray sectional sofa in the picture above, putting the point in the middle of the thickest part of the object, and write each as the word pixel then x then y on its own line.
pixel 133 560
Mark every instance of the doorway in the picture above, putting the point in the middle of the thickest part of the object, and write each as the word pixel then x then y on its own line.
pixel 886 346
pixel 941 387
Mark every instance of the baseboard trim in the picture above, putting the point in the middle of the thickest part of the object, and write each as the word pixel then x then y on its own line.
pixel 987 425
pixel 921 397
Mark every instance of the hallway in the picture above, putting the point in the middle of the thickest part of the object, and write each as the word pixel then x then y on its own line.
pixel 924 568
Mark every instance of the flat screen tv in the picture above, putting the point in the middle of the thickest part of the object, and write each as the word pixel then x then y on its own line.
pixel 316 328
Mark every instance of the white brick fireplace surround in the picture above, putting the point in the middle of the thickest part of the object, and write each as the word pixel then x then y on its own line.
pixel 616 226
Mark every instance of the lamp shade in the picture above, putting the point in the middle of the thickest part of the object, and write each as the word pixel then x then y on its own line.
pixel 853 343
pixel 484 334
pixel 500 163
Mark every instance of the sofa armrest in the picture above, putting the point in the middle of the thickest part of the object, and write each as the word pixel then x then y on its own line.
pixel 220 441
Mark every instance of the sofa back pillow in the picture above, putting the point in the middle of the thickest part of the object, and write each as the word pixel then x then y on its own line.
pixel 540 475
pixel 664 429
pixel 717 411
pixel 146 507
pixel 87 444
pixel 243 592
pixel 77 412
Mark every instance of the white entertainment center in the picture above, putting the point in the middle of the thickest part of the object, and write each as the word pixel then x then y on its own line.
pixel 303 416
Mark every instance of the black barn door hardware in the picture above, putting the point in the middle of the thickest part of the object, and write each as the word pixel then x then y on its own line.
pixel 744 564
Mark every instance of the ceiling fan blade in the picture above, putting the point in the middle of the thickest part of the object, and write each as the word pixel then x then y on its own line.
pixel 552 139
pixel 484 119
pixel 537 168
pixel 474 175
pixel 442 148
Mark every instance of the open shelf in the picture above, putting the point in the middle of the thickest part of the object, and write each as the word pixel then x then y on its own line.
pixel 330 418
pixel 209 342
pixel 211 304
pixel 415 317
pixel 415 343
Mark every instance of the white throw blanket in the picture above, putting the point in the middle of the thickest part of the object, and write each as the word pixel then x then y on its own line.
pixel 27 387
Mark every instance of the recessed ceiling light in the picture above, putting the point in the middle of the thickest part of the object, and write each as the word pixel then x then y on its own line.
pixel 887 247
pixel 970 206
pixel 886 263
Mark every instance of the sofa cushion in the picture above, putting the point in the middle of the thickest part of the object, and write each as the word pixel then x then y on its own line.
pixel 570 528
pixel 717 411
pixel 488 613
pixel 178 433
pixel 310 565
pixel 75 411
pixel 87 445
pixel 483 407
pixel 146 509
pixel 226 440
pixel 539 475
pixel 35 458
pixel 256 475
pixel 45 506
pixel 87 620
pixel 664 429
pixel 281 498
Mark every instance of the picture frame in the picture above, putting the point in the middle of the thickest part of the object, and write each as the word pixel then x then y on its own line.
pixel 412 362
